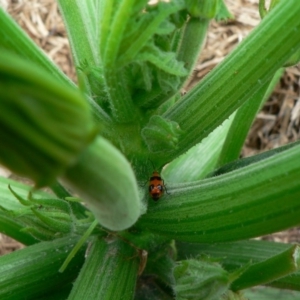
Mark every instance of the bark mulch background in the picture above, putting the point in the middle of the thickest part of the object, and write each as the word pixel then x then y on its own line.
pixel 277 124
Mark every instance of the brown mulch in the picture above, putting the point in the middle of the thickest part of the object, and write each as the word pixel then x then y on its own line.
pixel 43 23
pixel 277 123
pixel 8 245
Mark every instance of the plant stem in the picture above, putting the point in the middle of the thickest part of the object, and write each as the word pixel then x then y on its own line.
pixel 238 77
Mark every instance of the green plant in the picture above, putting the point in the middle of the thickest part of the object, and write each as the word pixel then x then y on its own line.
pixel 103 139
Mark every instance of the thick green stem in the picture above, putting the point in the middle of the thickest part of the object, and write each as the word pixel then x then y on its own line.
pixel 122 108
pixel 243 120
pixel 33 271
pixel 116 31
pixel 81 28
pixel 80 20
pixel 238 77
pixel 191 44
pixel 243 162
pixel 259 199
pixel 109 272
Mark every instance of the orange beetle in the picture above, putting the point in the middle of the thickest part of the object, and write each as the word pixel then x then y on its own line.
pixel 156 186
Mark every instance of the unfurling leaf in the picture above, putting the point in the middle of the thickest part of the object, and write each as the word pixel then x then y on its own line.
pixel 161 134
pixel 200 279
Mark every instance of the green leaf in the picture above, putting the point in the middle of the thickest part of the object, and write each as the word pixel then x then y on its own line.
pixel 200 279
pixel 33 271
pixel 63 226
pixel 109 272
pixel 188 45
pixel 9 223
pixel 132 37
pixel 200 160
pixel 146 28
pixel 77 209
pixel 40 232
pixel 161 134
pixel 36 216
pixel 9 201
pixel 165 61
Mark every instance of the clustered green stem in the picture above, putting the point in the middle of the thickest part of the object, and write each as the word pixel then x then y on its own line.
pixel 100 143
